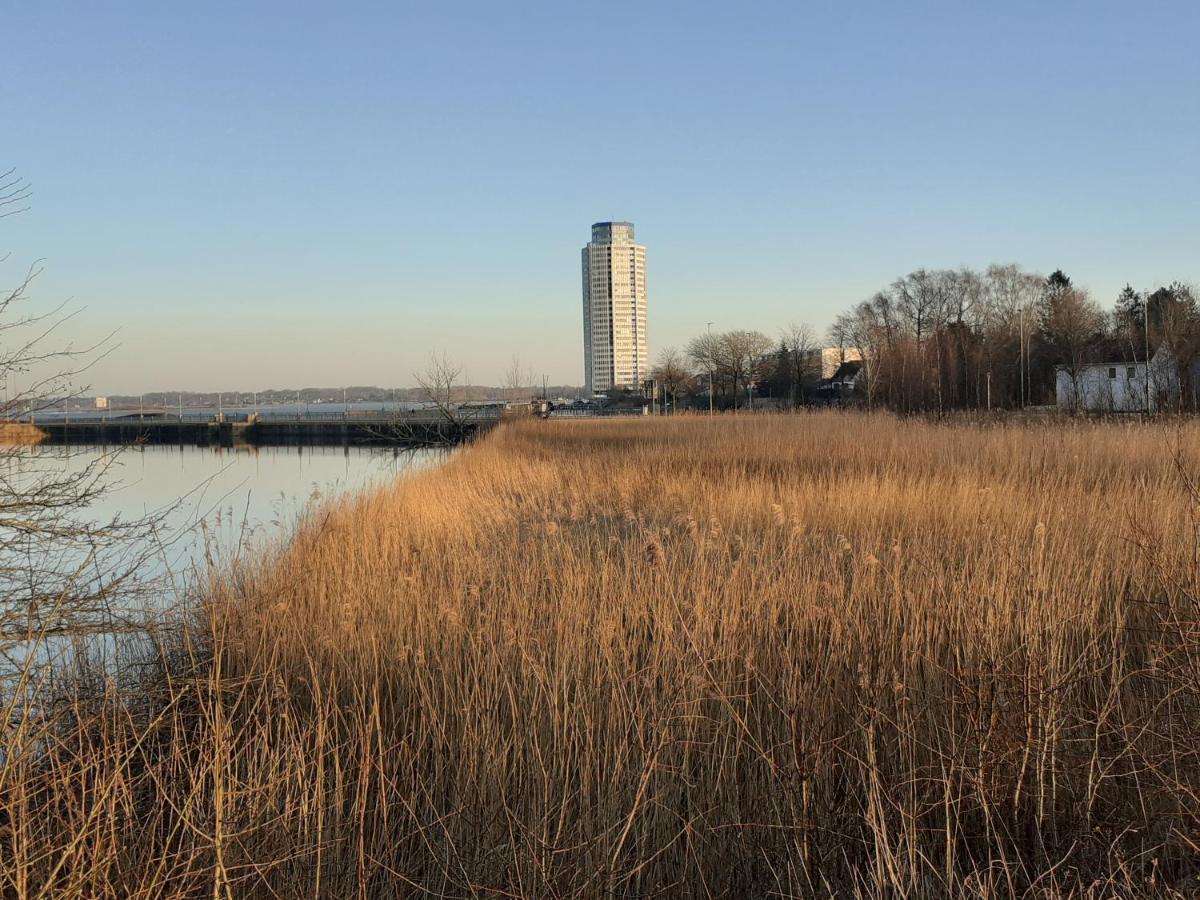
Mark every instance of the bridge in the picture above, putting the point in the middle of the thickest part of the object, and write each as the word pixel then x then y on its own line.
pixel 413 427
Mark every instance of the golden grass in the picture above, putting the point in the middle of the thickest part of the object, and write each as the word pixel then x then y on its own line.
pixel 824 654
pixel 20 434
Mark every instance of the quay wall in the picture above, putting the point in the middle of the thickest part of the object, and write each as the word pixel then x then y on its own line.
pixel 264 432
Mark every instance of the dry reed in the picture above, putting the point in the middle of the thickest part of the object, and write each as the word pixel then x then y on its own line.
pixel 824 654
pixel 20 434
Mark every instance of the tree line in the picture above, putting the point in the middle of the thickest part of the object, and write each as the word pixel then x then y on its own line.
pixel 948 339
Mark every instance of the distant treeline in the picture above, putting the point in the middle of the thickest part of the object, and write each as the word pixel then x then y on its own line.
pixel 949 339
pixel 359 394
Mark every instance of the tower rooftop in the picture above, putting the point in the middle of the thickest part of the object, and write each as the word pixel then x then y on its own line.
pixel 612 233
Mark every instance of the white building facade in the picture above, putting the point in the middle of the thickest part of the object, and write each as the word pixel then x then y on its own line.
pixel 1117 386
pixel 615 352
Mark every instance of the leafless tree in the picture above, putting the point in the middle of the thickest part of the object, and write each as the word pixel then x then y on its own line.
pixel 64 570
pixel 1070 324
pixel 706 355
pixel 439 384
pixel 804 356
pixel 518 381
pixel 1174 325
pixel 734 359
pixel 869 327
pixel 672 373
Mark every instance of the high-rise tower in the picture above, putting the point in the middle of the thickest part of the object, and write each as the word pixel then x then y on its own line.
pixel 614 309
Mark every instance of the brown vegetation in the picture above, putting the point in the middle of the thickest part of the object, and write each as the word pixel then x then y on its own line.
pixel 20 434
pixel 826 654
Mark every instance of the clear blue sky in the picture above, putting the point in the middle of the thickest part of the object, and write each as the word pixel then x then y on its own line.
pixel 266 194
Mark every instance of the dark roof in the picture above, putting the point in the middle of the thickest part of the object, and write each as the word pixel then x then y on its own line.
pixel 1121 350
pixel 847 370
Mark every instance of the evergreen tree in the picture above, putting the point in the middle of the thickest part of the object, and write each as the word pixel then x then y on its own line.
pixel 779 382
pixel 1129 313
pixel 1057 282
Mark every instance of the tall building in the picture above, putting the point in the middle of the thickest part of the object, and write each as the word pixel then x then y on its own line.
pixel 614 309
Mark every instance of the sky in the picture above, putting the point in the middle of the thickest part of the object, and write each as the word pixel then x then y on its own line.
pixel 260 194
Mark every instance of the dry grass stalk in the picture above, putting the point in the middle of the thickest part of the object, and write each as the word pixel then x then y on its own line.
pixel 814 655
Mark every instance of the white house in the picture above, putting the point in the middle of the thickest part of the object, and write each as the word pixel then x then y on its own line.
pixel 1117 386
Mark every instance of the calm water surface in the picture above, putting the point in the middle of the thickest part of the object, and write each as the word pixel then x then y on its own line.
pixel 208 501
pixel 225 500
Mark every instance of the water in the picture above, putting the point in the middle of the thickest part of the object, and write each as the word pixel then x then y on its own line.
pixel 232 499
pixel 205 501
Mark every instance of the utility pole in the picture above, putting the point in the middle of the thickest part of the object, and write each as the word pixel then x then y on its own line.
pixel 1021 354
pixel 710 375
pixel 1146 333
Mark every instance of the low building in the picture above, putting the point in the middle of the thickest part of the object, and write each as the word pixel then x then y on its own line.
pixel 830 359
pixel 841 384
pixel 1118 384
pixel 101 403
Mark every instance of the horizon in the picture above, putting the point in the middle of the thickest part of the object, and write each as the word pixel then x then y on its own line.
pixel 283 194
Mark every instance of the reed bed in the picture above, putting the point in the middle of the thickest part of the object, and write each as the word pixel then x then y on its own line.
pixel 814 655
pixel 20 434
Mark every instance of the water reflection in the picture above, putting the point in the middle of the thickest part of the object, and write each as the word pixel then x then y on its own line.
pixel 226 498
pixel 202 500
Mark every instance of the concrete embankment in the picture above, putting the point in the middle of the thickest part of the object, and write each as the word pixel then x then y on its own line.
pixel 382 431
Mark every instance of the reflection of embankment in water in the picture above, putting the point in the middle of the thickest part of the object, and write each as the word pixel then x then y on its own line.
pixel 424 431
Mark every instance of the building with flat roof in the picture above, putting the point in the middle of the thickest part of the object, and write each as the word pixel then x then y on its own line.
pixel 614 309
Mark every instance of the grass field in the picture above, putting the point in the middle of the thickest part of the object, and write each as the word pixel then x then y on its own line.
pixel 823 654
